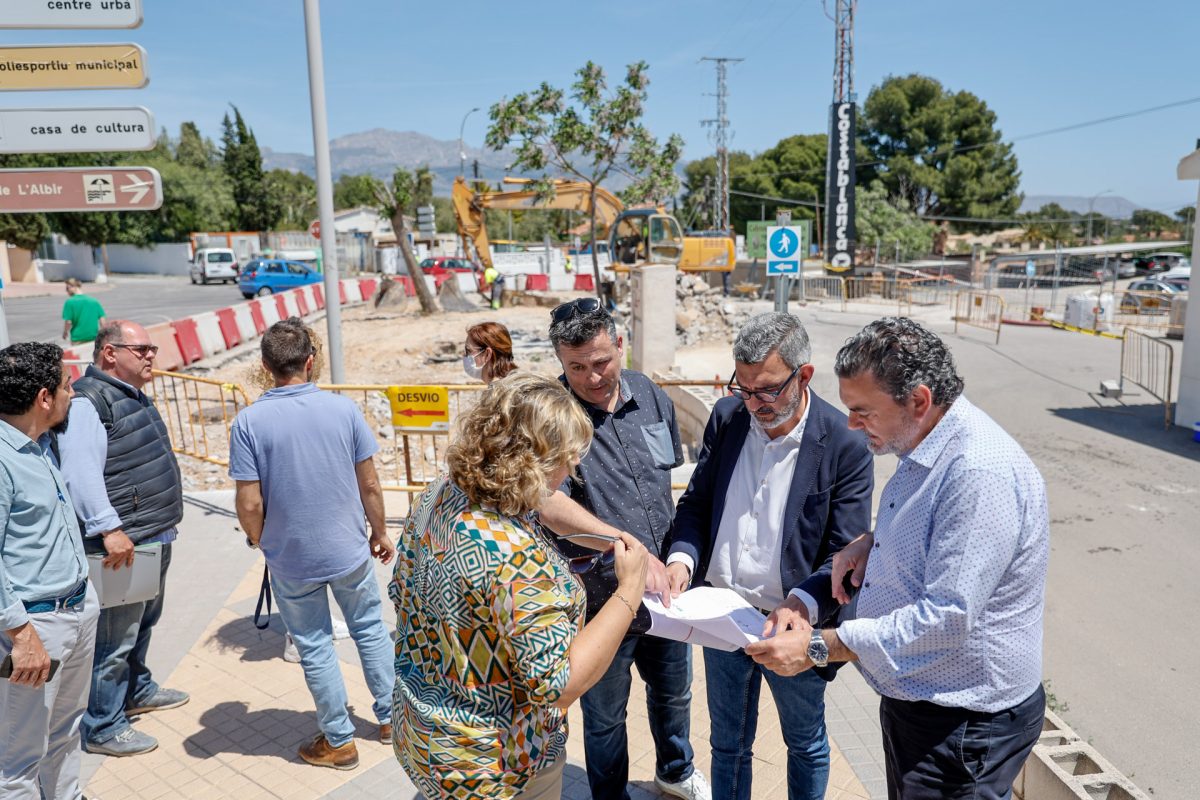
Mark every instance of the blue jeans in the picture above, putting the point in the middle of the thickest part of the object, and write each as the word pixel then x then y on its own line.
pixel 666 667
pixel 304 607
pixel 120 677
pixel 734 682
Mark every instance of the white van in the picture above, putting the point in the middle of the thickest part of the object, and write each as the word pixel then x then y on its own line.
pixel 214 264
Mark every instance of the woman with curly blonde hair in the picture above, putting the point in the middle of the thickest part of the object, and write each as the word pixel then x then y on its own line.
pixel 490 643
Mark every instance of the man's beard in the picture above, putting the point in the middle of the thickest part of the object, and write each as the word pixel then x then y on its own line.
pixel 902 443
pixel 61 427
pixel 781 415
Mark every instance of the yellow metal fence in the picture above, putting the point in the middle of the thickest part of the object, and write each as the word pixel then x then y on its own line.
pixel 980 310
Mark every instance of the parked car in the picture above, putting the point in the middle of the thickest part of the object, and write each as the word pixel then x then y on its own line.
pixel 1160 262
pixel 1151 296
pixel 440 265
pixel 213 264
pixel 269 275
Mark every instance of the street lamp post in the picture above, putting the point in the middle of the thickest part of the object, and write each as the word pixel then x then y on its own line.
pixel 1091 202
pixel 462 154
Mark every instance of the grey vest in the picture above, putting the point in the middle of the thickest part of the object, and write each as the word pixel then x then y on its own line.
pixel 140 471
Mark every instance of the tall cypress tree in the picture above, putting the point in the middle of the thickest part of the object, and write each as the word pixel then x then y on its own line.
pixel 242 161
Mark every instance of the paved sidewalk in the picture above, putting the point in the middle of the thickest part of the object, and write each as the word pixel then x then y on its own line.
pixel 250 710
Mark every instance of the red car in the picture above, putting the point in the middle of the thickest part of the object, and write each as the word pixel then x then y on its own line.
pixel 441 265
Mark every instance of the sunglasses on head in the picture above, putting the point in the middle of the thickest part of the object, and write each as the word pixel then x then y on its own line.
pixel 584 305
pixel 582 564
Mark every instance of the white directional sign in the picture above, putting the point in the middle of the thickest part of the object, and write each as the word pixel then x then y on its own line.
pixel 75 130
pixel 785 249
pixel 70 13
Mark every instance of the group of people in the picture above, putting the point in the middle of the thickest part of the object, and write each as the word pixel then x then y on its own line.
pixel 86 469
pixel 498 631
pixel 519 574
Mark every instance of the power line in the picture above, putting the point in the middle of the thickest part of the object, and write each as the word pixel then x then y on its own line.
pixel 1022 137
pixel 721 138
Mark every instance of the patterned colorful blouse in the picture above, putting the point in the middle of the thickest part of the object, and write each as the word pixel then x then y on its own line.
pixel 486 610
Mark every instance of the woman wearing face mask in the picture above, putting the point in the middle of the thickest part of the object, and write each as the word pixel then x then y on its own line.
pixel 487 354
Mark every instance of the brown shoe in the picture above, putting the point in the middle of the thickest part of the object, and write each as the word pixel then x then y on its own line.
pixel 385 733
pixel 320 754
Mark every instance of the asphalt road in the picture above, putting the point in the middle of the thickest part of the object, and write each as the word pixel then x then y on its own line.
pixel 144 299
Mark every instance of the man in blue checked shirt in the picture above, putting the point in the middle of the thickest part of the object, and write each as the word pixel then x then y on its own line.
pixel 48 609
pixel 948 623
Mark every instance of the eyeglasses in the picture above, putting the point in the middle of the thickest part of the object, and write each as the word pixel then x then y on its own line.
pixel 139 350
pixel 582 564
pixel 564 312
pixel 762 395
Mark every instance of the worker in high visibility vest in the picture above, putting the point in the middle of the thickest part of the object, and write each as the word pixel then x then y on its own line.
pixel 493 278
pixel 568 266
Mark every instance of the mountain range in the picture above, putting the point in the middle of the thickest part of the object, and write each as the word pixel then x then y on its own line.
pixel 378 152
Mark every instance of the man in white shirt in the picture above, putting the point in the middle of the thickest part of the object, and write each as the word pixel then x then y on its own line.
pixel 780 486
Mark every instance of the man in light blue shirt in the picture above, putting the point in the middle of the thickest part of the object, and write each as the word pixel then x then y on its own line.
pixel 48 610
pixel 302 460
pixel 948 624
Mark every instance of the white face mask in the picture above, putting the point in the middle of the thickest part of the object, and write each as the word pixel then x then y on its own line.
pixel 472 369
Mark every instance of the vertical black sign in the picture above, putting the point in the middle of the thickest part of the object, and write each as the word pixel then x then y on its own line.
pixel 839 189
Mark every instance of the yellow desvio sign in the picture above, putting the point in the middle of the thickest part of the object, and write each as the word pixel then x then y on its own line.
pixel 425 407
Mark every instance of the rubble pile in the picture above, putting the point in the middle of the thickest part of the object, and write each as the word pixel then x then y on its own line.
pixel 704 313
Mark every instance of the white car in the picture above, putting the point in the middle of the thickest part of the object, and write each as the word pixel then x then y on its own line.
pixel 1176 272
pixel 214 264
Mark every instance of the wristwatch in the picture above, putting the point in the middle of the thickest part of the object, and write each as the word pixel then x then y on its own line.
pixel 818 651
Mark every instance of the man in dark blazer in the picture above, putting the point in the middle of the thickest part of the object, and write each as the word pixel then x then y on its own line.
pixel 781 485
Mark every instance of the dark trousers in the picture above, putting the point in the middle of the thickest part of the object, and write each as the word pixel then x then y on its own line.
pixel 937 753
pixel 666 667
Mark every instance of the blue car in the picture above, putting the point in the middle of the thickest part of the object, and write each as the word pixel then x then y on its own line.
pixel 269 275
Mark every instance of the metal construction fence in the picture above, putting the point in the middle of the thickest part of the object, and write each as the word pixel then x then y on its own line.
pixel 878 290
pixel 199 412
pixel 980 310
pixel 1149 362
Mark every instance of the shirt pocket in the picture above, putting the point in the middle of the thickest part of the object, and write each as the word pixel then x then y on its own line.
pixel 660 445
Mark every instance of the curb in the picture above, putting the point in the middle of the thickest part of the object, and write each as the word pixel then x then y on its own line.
pixel 185 341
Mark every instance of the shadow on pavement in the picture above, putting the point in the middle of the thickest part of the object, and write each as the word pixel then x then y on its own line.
pixel 232 728
pixel 255 645
pixel 1140 423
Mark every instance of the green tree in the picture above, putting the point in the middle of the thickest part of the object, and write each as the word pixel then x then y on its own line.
pixel 588 136
pixel 242 161
pixel 294 194
pixel 1186 215
pixel 443 215
pixel 193 150
pixel 879 219
pixel 353 191
pixel 1152 222
pixel 397 200
pixel 1050 223
pixel 940 152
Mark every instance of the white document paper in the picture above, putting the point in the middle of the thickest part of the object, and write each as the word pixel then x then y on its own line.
pixel 136 584
pixel 707 616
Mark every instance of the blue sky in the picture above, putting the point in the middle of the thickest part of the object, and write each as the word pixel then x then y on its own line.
pixel 420 65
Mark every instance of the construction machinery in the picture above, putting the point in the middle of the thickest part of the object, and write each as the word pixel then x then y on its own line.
pixel 636 235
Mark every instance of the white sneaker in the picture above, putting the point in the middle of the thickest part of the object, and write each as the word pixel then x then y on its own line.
pixel 340 631
pixel 290 653
pixel 693 787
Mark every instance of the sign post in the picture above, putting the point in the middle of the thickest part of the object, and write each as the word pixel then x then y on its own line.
pixel 420 409
pixel 80 189
pixel 73 14
pixel 786 246
pixel 40 67
pixel 75 130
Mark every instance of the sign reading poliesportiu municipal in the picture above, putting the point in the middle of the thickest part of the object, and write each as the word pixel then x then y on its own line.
pixel 423 408
pixel 39 67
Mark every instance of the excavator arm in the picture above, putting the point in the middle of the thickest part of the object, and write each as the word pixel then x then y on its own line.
pixel 469 208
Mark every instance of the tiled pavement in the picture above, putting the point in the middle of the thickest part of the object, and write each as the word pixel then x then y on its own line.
pixel 250 710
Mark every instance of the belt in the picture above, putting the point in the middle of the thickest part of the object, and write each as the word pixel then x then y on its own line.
pixel 70 600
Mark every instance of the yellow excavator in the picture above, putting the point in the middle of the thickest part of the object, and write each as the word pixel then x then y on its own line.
pixel 635 235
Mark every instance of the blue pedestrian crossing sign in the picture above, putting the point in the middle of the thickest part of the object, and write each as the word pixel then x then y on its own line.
pixel 785 249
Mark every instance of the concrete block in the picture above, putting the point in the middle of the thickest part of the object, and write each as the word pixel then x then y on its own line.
pixel 652 328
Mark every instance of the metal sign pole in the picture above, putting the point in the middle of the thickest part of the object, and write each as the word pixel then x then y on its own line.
pixel 316 86
pixel 783 218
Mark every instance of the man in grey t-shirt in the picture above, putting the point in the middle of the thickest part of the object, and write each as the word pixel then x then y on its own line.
pixel 302 459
